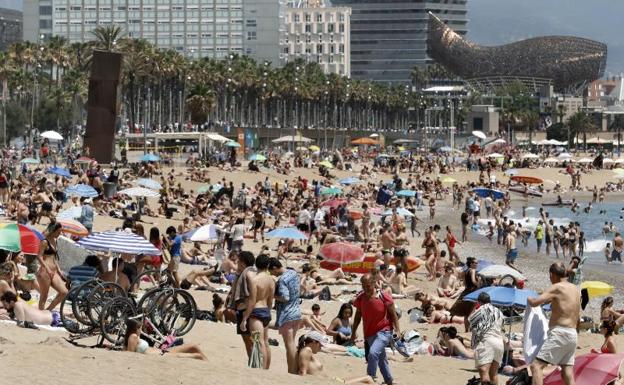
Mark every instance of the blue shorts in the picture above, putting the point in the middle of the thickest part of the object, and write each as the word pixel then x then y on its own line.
pixel 512 255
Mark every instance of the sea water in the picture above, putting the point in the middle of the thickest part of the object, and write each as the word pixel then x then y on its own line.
pixel 591 224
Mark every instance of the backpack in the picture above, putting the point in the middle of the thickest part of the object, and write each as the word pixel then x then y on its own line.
pixel 521 378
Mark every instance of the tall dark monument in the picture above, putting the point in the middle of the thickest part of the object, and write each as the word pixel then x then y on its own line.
pixel 103 105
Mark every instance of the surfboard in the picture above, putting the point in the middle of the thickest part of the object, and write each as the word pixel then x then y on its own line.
pixel 527 179
pixel 368 263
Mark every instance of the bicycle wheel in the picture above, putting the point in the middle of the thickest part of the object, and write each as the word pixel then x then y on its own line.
pixel 80 307
pixel 150 279
pixel 147 302
pixel 99 296
pixel 177 313
pixel 113 318
pixel 72 326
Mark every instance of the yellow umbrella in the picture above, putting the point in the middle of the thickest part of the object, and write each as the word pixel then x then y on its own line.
pixel 401 148
pixel 597 288
pixel 314 148
pixel 448 179
pixel 327 164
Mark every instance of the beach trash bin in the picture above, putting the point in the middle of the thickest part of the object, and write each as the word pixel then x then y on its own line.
pixel 110 189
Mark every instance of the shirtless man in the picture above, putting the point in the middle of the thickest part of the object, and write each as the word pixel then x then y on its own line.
pixel 510 247
pixel 238 298
pixel 388 242
pixel 46 205
pixel 447 285
pixel 618 246
pixel 22 210
pixel 116 275
pixel 259 305
pixel 28 316
pixel 560 344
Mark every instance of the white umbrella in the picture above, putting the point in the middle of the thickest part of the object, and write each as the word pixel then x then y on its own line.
pixel 607 160
pixel 70 254
pixel 584 160
pixel 496 155
pixel 216 137
pixel 374 135
pixel 551 160
pixel 140 192
pixel 530 156
pixel 52 135
pixel 564 155
pixel 479 134
pixel 290 138
pixel 497 271
pixel 204 233
pixel 499 141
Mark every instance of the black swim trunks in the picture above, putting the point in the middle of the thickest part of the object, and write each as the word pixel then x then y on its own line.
pixel 185 284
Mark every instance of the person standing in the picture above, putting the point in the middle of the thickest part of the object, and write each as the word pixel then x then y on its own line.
pixel 174 244
pixel 376 310
pixel 561 340
pixel 618 245
pixel 510 246
pixel 486 325
pixel 241 290
pixel 539 234
pixel 86 215
pixel 288 319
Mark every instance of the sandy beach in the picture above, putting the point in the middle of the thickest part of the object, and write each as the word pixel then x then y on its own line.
pixel 42 356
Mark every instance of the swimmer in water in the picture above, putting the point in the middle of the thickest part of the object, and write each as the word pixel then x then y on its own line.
pixel 606 229
pixel 587 209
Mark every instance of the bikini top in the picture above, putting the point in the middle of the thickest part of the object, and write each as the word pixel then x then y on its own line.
pixel 142 346
pixel 345 330
pixel 49 250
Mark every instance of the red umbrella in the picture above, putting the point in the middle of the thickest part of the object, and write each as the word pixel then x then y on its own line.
pixel 333 203
pixel 591 369
pixel 342 252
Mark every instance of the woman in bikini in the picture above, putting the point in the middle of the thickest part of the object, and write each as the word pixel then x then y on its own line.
pixel 135 344
pixel 607 329
pixel 49 273
pixel 430 244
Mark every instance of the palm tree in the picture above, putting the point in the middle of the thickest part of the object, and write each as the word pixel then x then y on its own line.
pixel 200 103
pixel 107 37
pixel 578 124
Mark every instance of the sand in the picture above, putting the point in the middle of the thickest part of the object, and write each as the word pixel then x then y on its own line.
pixel 38 357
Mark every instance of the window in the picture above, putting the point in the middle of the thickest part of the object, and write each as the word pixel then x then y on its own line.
pixel 251 35
pixel 45 24
pixel 341 48
pixel 319 48
pixel 342 17
pixel 251 23
pixel 319 18
pixel 308 39
pixel 297 18
pixel 341 28
pixel 308 18
pixel 45 10
pixel 331 59
pixel 330 28
pixel 308 28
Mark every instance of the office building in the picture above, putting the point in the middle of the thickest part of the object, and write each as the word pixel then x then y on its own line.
pixel 10 27
pixel 195 28
pixel 319 34
pixel 264 30
pixel 389 37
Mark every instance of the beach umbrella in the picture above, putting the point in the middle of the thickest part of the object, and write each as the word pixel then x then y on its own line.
pixel 499 141
pixel 331 191
pixel 204 233
pixel 448 179
pixel 406 193
pixel 564 155
pixel 150 158
pixel 149 183
pixel 551 160
pixel 314 148
pixel 70 213
pixel 503 296
pixel 365 141
pixel 349 181
pixel 82 190
pixel 287 233
pixel 333 203
pixel 290 138
pixel 52 135
pixel 84 160
pixel 374 135
pixel 15 237
pixel 530 156
pixel 341 252
pixel 497 271
pixel 232 144
pixel 140 192
pixel 486 192
pixel 597 288
pixel 511 171
pixel 326 164
pixel 70 254
pixel 591 369
pixel 258 157
pixel 59 171
pixel 479 134
pixel 355 215
pixel 445 149
pixel 30 161
pixel 400 211
pixel 118 242
pixel 496 155
pixel 584 160
pixel 72 227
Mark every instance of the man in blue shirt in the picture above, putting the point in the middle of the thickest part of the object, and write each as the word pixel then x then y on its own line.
pixel 174 245
pixel 86 214
pixel 288 318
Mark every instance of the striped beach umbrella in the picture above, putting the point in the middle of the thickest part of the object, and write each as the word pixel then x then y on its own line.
pixel 118 242
pixel 82 190
pixel 73 227
pixel 15 237
pixel 140 192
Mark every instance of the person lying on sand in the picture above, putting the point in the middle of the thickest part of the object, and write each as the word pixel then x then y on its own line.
pixel 198 277
pixel 134 343
pixel 28 316
pixel 438 303
pixel 449 344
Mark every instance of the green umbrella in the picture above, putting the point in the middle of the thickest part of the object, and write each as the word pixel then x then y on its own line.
pixel 331 191
pixel 258 157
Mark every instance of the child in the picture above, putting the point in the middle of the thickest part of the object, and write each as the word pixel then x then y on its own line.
pixel 490 233
pixel 608 253
pixel 582 243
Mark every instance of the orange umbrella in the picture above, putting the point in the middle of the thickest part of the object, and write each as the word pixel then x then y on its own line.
pixel 355 215
pixel 73 227
pixel 365 141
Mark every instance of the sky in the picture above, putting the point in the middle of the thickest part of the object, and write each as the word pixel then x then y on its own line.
pixel 12 4
pixel 493 22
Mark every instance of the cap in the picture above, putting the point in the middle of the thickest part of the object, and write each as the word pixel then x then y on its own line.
pixel 88 200
pixel 316 336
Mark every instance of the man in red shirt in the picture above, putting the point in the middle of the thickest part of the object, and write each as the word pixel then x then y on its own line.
pixel 377 311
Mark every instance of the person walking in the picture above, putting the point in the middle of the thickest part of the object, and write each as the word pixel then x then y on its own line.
pixel 539 235
pixel 560 345
pixel 288 318
pixel 376 309
pixel 486 325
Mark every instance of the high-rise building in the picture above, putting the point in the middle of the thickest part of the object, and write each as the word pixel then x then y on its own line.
pixel 319 34
pixel 389 37
pixel 196 28
pixel 264 29
pixel 10 27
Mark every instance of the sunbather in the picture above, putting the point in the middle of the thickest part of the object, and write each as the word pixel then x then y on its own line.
pixel 28 316
pixel 135 344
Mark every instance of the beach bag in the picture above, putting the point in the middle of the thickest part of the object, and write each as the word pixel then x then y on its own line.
pixel 521 378
pixel 325 294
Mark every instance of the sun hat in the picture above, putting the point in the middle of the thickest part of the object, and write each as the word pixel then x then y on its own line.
pixel 316 336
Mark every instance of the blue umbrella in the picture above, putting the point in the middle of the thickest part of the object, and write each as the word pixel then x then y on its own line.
pixel 232 144
pixel 349 181
pixel 401 211
pixel 59 171
pixel 149 183
pixel 82 190
pixel 118 242
pixel 406 193
pixel 486 192
pixel 70 213
pixel 445 149
pixel 150 158
pixel 504 296
pixel 286 232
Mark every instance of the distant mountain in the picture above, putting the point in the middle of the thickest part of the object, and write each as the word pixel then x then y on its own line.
pixel 494 22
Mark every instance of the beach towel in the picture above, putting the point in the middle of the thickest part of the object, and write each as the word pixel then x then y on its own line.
pixel 241 286
pixel 255 359
pixel 535 330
